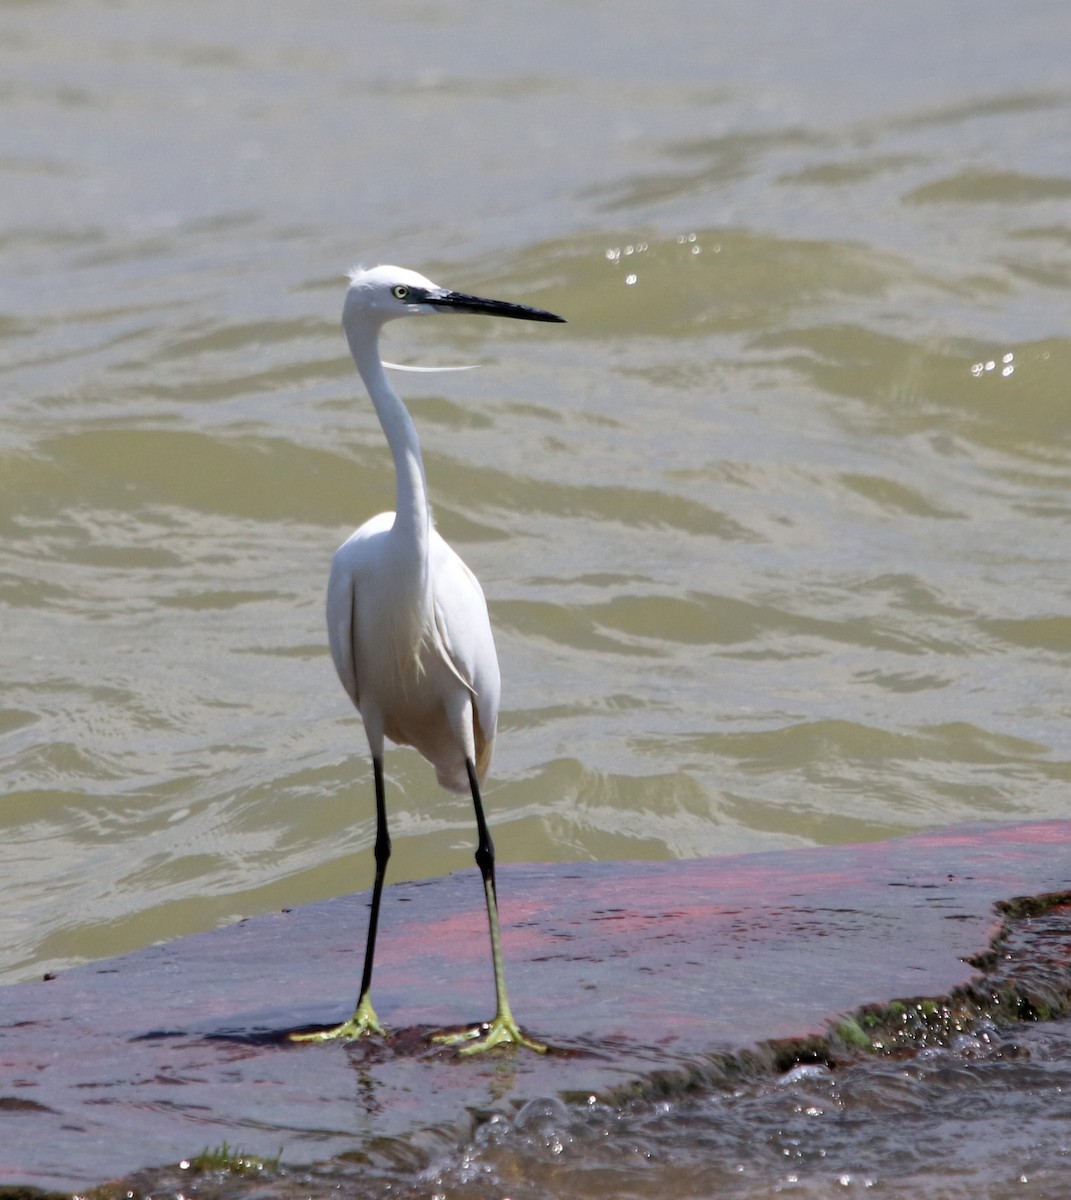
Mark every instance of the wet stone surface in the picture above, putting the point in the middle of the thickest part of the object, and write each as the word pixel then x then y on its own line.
pixel 650 980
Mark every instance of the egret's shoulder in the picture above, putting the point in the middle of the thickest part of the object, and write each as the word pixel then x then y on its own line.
pixel 364 541
pixel 449 571
pixel 381 523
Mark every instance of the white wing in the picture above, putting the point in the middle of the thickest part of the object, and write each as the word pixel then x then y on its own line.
pixel 381 650
pixel 464 629
pixel 354 556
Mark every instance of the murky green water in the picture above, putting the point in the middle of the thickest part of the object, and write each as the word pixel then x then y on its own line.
pixel 774 532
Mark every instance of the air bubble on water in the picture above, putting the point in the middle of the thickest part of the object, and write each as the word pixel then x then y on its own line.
pixel 614 254
pixel 1007 366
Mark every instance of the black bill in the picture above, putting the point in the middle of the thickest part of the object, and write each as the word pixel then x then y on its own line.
pixel 459 302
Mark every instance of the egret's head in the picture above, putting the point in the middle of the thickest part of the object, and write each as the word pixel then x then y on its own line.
pixel 383 293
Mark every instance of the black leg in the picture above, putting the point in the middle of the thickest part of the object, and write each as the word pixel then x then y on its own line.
pixel 364 1020
pixel 503 1029
pixel 485 849
pixel 382 853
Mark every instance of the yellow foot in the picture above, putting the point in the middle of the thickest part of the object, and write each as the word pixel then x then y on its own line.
pixel 363 1023
pixel 502 1031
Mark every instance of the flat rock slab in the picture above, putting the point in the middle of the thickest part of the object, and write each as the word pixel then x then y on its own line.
pixel 626 968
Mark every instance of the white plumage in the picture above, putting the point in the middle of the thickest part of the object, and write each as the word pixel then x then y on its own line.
pixel 421 669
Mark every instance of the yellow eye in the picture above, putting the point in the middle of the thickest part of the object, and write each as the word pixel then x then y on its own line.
pixel 399 291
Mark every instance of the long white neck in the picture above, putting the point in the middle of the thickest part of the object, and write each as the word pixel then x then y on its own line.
pixel 412 520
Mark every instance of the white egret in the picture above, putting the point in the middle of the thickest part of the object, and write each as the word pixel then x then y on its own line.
pixel 408 627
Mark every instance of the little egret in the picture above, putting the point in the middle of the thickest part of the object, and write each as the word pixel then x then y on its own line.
pixel 408 627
